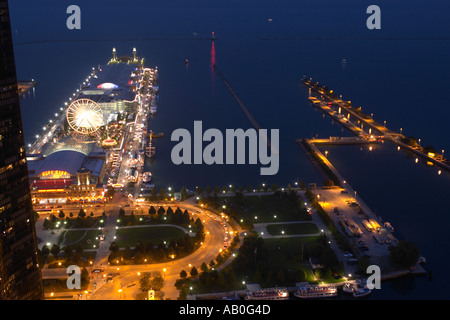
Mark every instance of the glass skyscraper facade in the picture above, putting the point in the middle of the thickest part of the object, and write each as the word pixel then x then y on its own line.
pixel 20 276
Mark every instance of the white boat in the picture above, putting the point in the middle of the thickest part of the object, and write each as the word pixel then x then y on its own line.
pixel 361 292
pixel 349 287
pixel 268 294
pixel 315 291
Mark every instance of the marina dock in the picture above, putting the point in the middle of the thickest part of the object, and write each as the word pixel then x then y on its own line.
pixel 345 113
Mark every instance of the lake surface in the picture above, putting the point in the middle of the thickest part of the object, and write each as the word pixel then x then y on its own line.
pixel 399 73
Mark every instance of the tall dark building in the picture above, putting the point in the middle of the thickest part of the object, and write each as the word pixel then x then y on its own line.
pixel 20 276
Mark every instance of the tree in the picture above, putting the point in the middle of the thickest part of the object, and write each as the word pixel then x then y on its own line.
pixel 157 282
pixel 405 253
pixel 161 211
pixel 363 263
pixel 35 216
pixel 281 277
pixel 208 189
pixel 162 193
pixel 84 277
pixel 121 213
pixel 140 247
pixel 55 250
pixel 144 281
pixel 79 250
pixel 68 251
pixel 169 213
pixel 81 213
pixel 217 189
pixel 152 211
pixel 274 187
pixel 302 185
pixel 204 267
pixel 249 188
pixel 183 274
pixel 61 214
pixel 257 277
pixel 193 272
pixel 45 251
pixel 183 193
pixel 47 224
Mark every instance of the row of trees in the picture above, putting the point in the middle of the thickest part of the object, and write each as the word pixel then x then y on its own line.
pixel 150 281
pixel 178 217
pixel 81 221
pixel 149 253
pixel 68 255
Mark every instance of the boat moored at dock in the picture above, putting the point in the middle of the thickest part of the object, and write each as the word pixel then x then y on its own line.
pixel 315 292
pixel 268 294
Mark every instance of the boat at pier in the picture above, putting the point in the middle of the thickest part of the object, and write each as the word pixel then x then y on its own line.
pixel 361 292
pixel 268 294
pixel 315 291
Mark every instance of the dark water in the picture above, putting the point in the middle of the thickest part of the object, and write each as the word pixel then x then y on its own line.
pixel 403 81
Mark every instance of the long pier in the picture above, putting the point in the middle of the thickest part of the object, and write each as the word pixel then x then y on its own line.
pixel 247 113
pixel 238 100
pixel 341 141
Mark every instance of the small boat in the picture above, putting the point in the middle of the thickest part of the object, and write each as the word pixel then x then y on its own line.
pixel 361 292
pixel 268 294
pixel 349 287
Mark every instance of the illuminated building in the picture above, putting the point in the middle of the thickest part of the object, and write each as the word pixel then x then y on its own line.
pixel 20 276
pixel 67 175
pixel 115 85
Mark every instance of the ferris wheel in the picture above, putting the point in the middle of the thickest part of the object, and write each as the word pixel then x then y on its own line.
pixel 84 116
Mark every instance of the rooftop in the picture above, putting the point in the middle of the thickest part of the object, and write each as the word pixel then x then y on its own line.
pixel 111 82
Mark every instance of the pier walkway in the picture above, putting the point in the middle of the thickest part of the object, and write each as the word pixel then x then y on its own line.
pixel 342 141
pixel 238 100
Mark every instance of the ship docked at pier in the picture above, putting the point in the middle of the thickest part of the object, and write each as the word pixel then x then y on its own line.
pixel 268 294
pixel 315 292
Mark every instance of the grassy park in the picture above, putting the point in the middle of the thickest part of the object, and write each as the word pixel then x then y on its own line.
pixel 87 239
pixel 131 236
pixel 292 229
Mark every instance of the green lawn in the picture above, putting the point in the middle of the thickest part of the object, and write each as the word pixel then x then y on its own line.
pixel 292 228
pixel 86 239
pixel 267 208
pixel 286 253
pixel 130 236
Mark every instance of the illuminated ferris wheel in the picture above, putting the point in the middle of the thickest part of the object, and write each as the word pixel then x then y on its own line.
pixel 84 116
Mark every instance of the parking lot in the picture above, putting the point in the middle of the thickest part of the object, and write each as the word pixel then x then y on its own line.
pixel 345 211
